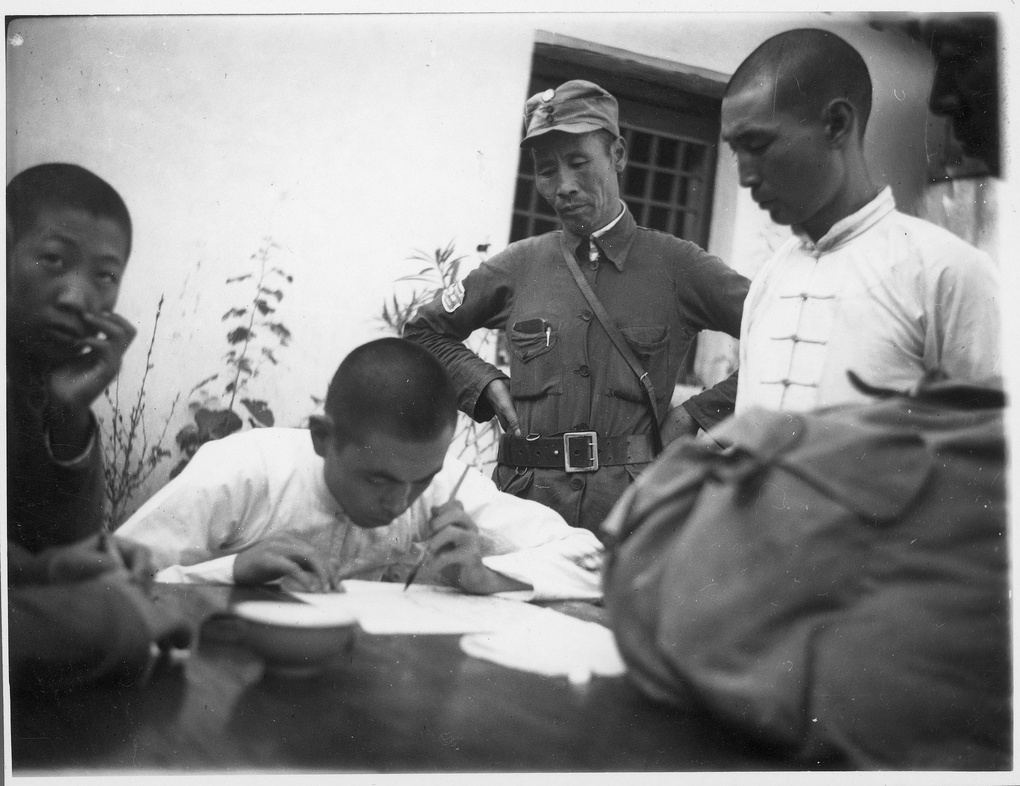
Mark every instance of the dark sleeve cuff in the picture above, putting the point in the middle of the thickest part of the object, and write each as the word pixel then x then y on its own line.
pixel 715 404
pixel 84 458
pixel 473 400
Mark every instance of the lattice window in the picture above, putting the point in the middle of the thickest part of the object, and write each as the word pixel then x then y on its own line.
pixel 666 185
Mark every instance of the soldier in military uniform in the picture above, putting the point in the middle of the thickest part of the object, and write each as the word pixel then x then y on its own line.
pixel 578 423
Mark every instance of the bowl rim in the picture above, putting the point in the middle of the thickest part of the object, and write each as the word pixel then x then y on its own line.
pixel 250 611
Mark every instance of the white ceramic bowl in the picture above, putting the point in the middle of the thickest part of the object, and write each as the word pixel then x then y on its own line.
pixel 296 639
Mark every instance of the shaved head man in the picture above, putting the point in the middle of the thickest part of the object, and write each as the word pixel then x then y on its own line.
pixel 860 287
pixel 794 113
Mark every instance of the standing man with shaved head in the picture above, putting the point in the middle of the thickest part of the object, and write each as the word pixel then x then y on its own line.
pixel 861 287
pixel 581 419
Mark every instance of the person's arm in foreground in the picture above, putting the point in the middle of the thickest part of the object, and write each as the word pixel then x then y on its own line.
pixel 76 615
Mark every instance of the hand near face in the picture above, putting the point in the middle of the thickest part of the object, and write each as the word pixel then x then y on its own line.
pixel 455 555
pixel 498 394
pixel 77 382
pixel 64 277
pixel 283 557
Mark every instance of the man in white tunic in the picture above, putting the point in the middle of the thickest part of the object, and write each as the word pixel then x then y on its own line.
pixel 861 287
pixel 364 493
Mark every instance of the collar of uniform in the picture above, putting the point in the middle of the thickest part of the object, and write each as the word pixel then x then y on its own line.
pixel 615 243
pixel 608 227
pixel 846 229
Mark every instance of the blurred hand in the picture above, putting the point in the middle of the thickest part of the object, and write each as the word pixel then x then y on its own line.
pixel 75 384
pixel 287 557
pixel 678 423
pixel 455 555
pixel 498 394
pixel 136 558
pixel 88 558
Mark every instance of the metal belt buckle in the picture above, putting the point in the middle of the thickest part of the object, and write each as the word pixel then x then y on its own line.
pixel 581 451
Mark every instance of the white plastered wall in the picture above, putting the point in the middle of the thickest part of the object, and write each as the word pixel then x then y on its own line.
pixel 350 141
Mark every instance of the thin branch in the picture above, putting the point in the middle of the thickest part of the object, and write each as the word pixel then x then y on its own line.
pixel 239 365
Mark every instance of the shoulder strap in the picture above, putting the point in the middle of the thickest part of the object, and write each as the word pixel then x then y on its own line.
pixel 618 340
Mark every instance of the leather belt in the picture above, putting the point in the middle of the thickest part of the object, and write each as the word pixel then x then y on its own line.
pixel 575 451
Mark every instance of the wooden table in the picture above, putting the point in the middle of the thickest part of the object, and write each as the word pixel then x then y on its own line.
pixel 394 704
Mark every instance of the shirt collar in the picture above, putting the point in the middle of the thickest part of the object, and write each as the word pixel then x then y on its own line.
pixel 611 224
pixel 614 239
pixel 846 229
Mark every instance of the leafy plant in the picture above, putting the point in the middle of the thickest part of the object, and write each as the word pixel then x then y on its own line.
pixel 442 269
pixel 477 442
pixel 254 337
pixel 128 457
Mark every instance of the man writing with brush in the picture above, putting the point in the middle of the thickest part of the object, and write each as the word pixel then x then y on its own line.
pixel 367 492
pixel 425 552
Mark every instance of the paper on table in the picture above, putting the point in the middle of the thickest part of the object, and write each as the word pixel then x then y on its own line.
pixel 553 646
pixel 386 608
pixel 507 632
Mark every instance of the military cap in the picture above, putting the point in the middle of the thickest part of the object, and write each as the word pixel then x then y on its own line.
pixel 575 107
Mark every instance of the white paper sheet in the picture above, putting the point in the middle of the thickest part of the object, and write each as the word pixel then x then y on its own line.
pixel 385 608
pixel 556 647
pixel 508 632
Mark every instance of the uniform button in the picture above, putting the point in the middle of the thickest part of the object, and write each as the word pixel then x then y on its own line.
pixel 581 427
pixel 586 315
pixel 594 265
pixel 576 483
pixel 583 371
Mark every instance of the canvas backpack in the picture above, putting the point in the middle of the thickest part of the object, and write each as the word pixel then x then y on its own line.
pixel 834 583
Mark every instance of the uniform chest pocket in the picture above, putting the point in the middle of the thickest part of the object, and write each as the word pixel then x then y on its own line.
pixel 535 367
pixel 651 347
